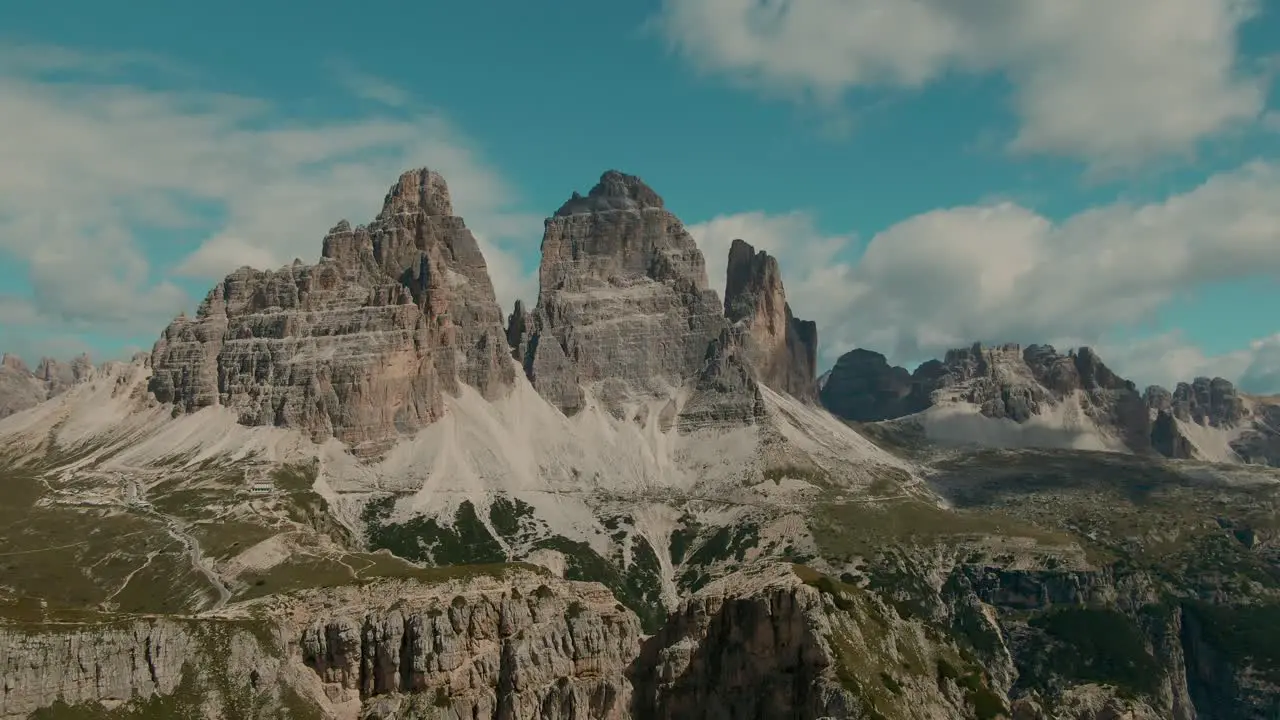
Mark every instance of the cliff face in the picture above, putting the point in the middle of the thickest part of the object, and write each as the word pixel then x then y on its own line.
pixel 358 347
pixel 20 388
pixel 624 311
pixel 782 349
pixel 534 648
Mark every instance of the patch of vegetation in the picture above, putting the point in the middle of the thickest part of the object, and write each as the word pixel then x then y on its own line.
pixel 1099 645
pixel 683 537
pixel 304 571
pixel 505 515
pixel 986 704
pixel 634 588
pixel 812 475
pixel 725 543
pixel 81 556
pixel 221 539
pixel 1243 634
pixel 863 528
pixel 423 539
pixel 303 505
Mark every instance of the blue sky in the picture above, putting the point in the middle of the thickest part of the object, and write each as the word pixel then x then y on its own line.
pixel 1069 171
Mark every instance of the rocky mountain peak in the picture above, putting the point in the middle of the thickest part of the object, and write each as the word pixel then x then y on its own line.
pixel 21 388
pixel 864 387
pixel 624 308
pixel 615 191
pixel 359 347
pixel 13 362
pixel 782 349
pixel 421 190
pixel 1211 402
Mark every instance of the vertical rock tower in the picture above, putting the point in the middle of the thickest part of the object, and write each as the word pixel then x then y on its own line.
pixel 624 310
pixel 782 348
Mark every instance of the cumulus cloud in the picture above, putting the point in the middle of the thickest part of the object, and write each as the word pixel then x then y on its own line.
pixel 1170 358
pixel 1114 83
pixel 99 176
pixel 1001 272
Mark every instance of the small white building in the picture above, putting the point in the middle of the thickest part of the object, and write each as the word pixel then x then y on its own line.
pixel 262 487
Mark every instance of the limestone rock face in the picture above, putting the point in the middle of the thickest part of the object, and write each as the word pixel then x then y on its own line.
pixel 359 346
pixel 765 644
pixel 1208 401
pixel 726 392
pixel 782 349
pixel 624 309
pixel 534 650
pixel 20 388
pixel 533 647
pixel 1248 426
pixel 91 664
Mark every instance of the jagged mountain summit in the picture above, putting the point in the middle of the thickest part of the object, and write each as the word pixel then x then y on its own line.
pixel 624 311
pixel 22 388
pixel 359 347
pixel 1008 396
pixel 350 490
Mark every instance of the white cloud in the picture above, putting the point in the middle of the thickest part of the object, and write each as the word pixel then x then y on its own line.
pixel 1170 358
pixel 1002 272
pixel 1115 83
pixel 97 176
pixel 369 87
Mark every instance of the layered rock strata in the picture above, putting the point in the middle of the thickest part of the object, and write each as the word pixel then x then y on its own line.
pixel 533 647
pixel 358 347
pixel 624 310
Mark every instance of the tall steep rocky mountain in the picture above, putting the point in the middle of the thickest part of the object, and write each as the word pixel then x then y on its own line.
pixel 624 311
pixel 22 388
pixel 626 316
pixel 1208 418
pixel 358 347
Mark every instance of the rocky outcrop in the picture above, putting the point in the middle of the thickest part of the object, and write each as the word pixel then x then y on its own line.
pixel 782 349
pixel 863 387
pixel 624 311
pixel 358 347
pixel 1210 412
pixel 20 388
pixel 726 392
pixel 532 649
pixel 527 647
pixel 145 662
pixel 783 642
pixel 1001 382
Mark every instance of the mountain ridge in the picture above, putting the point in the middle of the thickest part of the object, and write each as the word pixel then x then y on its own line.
pixel 1010 396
